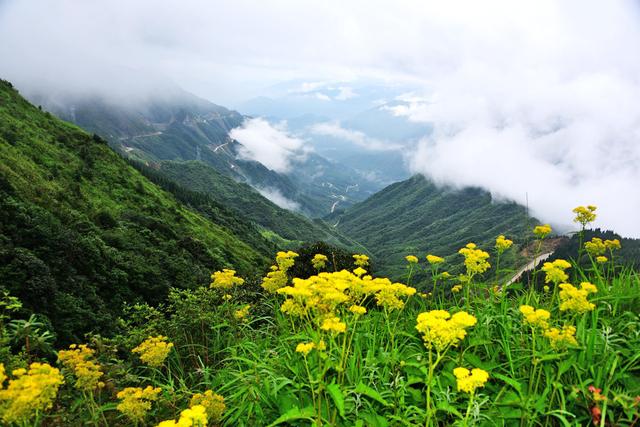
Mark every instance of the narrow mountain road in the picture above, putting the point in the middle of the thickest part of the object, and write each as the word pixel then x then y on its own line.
pixel 533 264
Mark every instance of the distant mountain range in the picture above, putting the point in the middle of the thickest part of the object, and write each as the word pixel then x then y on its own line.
pixel 179 126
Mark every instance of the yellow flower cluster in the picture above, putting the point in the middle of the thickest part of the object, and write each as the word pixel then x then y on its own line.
pixel 561 339
pixel 135 402
pixel 195 416
pixel 358 310
pixel 29 392
pixel 536 318
pixel 225 279
pixel 319 261
pixel 154 350
pixel 456 288
pixel 325 293
pixel 333 325
pixel 542 231
pixel 469 380
pixel 585 215
pixel 475 260
pixel 212 402
pixel 305 348
pixel 574 299
pixel 601 259
pixel 502 243
pixel 595 247
pixel 79 358
pixel 411 259
pixel 361 260
pixel 242 313
pixel 434 259
pixel 555 271
pixel 277 278
pixel 612 244
pixel 442 330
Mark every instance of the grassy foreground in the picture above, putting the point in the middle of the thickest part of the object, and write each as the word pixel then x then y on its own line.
pixel 342 348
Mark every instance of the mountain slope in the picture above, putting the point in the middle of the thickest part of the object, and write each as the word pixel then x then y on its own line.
pixel 82 232
pixel 417 217
pixel 248 202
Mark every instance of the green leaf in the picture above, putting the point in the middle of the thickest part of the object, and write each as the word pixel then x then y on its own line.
pixel 295 414
pixel 337 396
pixel 362 388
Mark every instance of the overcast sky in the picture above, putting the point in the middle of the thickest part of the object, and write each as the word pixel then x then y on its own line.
pixel 538 97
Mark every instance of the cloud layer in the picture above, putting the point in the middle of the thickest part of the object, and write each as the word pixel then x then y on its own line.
pixel 268 144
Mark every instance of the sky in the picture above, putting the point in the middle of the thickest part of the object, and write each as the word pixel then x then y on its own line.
pixel 532 100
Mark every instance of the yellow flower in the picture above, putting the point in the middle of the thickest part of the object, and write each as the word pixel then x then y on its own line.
pixel 361 260
pixel 585 215
pixel 135 402
pixel 456 288
pixel 212 402
pixel 502 243
pixel 285 260
pixel 475 260
pixel 154 350
pixel 195 416
pixel 574 299
pixel 561 339
pixel 389 296
pixel 545 288
pixel 29 393
pixel 542 231
pixel 225 279
pixel 79 358
pixel 319 261
pixel 226 297
pixel 275 280
pixel 535 318
pixel 242 313
pixel 555 271
pixel 445 274
pixel 305 348
pixel 469 381
pixel 322 346
pixel 601 259
pixel 441 330
pixel 434 259
pixel 612 244
pixel 358 310
pixel 333 324
pixel 411 259
pixel 595 247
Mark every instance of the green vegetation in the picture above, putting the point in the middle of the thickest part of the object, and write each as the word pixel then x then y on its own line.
pixel 417 217
pixel 82 232
pixel 341 348
pixel 250 204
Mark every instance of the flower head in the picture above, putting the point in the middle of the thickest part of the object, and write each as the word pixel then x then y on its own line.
pixel 195 416
pixel 535 318
pixel 30 392
pixel 475 260
pixel 361 260
pixel 154 350
pixel 135 402
pixel 469 380
pixel 434 259
pixel 612 244
pixel 333 325
pixel 242 313
pixel 561 339
pixel 79 358
pixel 502 244
pixel 595 247
pixel 305 348
pixel 212 402
pixel 542 231
pixel 585 215
pixel 225 279
pixel 575 299
pixel 319 261
pixel 555 271
pixel 441 330
pixel 411 259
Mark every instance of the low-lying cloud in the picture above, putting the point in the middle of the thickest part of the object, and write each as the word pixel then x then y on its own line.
pixel 268 144
pixel 276 196
pixel 335 130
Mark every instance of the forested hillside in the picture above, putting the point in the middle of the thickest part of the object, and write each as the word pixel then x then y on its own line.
pixel 249 203
pixel 417 217
pixel 82 231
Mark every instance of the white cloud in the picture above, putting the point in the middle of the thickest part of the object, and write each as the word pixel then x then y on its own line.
pixel 278 198
pixel 322 96
pixel 268 144
pixel 356 137
pixel 344 93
